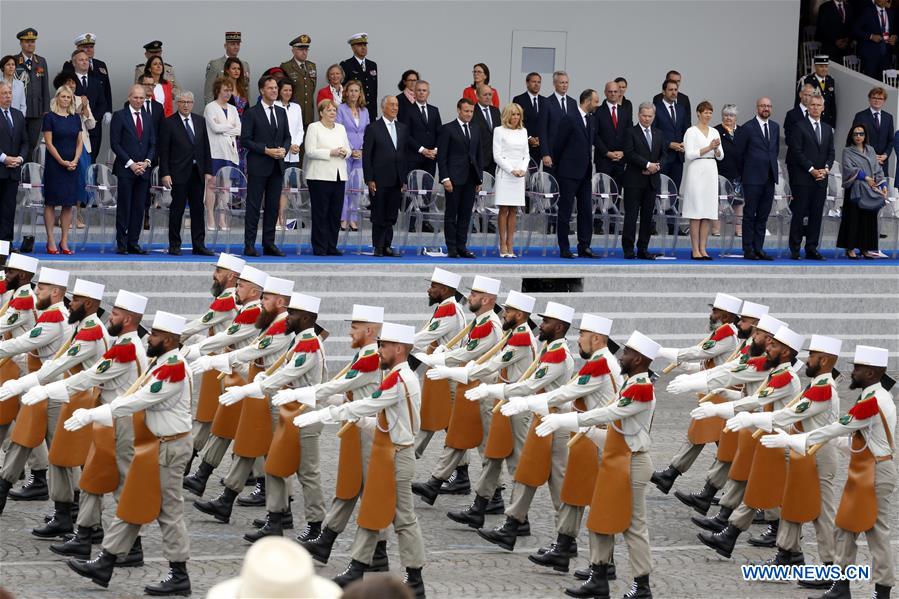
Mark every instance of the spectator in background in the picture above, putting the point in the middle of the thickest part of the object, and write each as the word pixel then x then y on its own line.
pixel 878 124
pixel 406 97
pixel 13 153
pixel 327 150
pixel 865 194
pixel 90 89
pixel 834 28
pixel 729 167
pixel 644 150
pixel 424 127
pixel 682 99
pixel 702 151
pixel 295 127
pixel 460 166
pixel 8 70
pixel 223 129
pixel 756 148
pixel 216 66
pixel 32 69
pixel 353 116
pixel 334 89
pixel 510 151
pixel 153 108
pixel 163 91
pixel 613 121
pixel 824 83
pixel 97 68
pixel 240 97
pixel 303 73
pixel 558 105
pixel 487 118
pixel 88 124
pixel 533 107
pixel 152 49
pixel 672 121
pixel 62 136
pixel 362 69
pixel 480 75
pixel 875 32
pixel 622 87
pixel 800 111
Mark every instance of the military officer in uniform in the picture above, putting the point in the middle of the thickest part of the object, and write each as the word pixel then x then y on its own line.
pixel 820 80
pixel 153 486
pixel 152 49
pixel 303 75
pixel 363 70
pixel 32 70
pixel 216 66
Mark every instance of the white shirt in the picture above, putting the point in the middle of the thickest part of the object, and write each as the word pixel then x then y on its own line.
pixel 485 110
pixel 81 75
pixel 761 122
pixel 670 105
pixel 583 116
pixel 559 99
pixel 269 112
pixel 609 105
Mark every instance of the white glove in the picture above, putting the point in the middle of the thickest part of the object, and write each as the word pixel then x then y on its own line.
pixel 713 410
pixel 7 391
pixel 192 353
pixel 23 384
pixel 539 404
pixel 234 394
pixel 35 395
pixel 58 391
pixel 259 378
pixel 367 424
pixel 557 422
pixel 219 362
pixel 515 405
pixel 597 435
pixel 309 418
pixel 200 365
pixel 439 349
pixel 458 374
pixel 781 439
pixel 762 420
pixel 687 383
pixel 483 391
pixel 81 417
pixel 691 367
pixel 334 400
pixel 304 395
pixel 426 359
pixel 669 353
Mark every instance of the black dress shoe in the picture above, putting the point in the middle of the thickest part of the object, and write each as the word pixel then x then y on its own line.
pixel 707 258
pixel 378 253
pixel 586 253
pixel 794 255
pixel 452 254
pixel 391 253
pixel 249 250
pixel 814 255
pixel 566 254
pixel 136 249
pixel 203 251
pixel 272 250
pixel 466 254
pixel 647 255
pixel 334 252
pixel 121 251
pixel 174 251
pixel 763 256
pixel 630 256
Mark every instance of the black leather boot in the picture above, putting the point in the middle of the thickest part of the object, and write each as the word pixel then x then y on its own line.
pixel 458 483
pixel 611 572
pixel 722 542
pixel 353 572
pixel 320 547
pixel 715 524
pixel 664 479
pixel 784 557
pixel 312 530
pixel 558 556
pixel 639 588
pixel 34 489
pixel 220 507
pixel 496 505
pixel 839 589
pixel 60 524
pixel 271 528
pixel 99 569
pixel 473 516
pixel 596 585
pixel 256 497
pixel 524 529
pixel 379 561
pixel 429 490
pixel 286 521
pixel 5 486
pixel 190 462
pixel 570 550
pixel 78 546
pixel 135 557
pixel 176 582
pixel 881 591
pixel 196 482
pixel 767 538
pixel 817 584
pixel 759 517
pixel 503 536
pixel 701 502
pixel 414 582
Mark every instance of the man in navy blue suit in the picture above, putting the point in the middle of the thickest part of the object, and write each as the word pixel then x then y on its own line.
pixel 672 120
pixel 875 31
pixel 533 106
pixel 613 120
pixel 757 144
pixel 460 164
pixel 572 145
pixel 13 149
pixel 879 123
pixel 558 104
pixel 93 87
pixel 424 124
pixel 799 112
pixel 133 141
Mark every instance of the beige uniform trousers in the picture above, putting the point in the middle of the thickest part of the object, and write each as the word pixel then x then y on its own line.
pixel 790 533
pixel 90 506
pixel 277 489
pixel 523 495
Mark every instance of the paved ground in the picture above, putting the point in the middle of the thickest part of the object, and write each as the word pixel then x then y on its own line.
pixel 459 563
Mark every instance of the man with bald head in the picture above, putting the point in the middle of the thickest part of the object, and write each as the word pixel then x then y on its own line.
pixel 612 122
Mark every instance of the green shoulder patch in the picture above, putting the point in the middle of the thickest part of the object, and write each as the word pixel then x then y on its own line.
pixel 208 316
pixel 155 387
pixel 508 356
pixel 265 342
pixel 12 318
pixel 35 332
pixel 583 379
pixel 625 401
pixel 472 344
pixel 708 344
pixel 540 373
pixel 351 374
pixel 744 358
pixel 368 352
pixel 104 366
pixel 740 368
pixel 434 326
pixel 845 419
pixel 233 329
pixel 173 360
pixel 765 392
pixel 301 359
pixel 376 394
pixel 73 351
pixel 802 406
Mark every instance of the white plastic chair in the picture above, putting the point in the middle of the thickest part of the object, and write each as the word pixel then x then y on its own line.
pixel 486 210
pixel 891 77
pixel 230 189
pixel 851 61
pixel 889 218
pixel 108 156
pixel 808 33
pixel 102 197
pixel 357 193
pixel 543 192
pixel 31 195
pixel 160 203
pixel 299 203
pixel 606 196
pixel 809 51
pixel 667 210
pixel 424 201
pixel 39 154
pixel 727 199
pixel 780 209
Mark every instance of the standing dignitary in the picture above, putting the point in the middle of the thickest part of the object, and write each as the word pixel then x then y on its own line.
pixel 133 141
pixel 487 117
pixel 461 167
pixel 672 120
pixel 613 120
pixel 810 154
pixel 875 32
pixel 558 106
pixel 152 488
pixel 96 67
pixel 90 84
pixel 303 74
pixel 681 98
pixel 645 152
pixel 879 124
pixel 385 168
pixel 13 153
pixel 820 80
pixel 216 66
pixel 757 145
pixel 363 70
pixel 625 463
pixel 572 147
pixel 266 137
pixel 834 28
pixel 395 409
pixel 32 70
pixel 534 107
pixel 185 166
pixel 152 49
pixel 424 124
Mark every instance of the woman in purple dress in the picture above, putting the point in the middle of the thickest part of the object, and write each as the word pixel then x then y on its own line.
pixel 353 115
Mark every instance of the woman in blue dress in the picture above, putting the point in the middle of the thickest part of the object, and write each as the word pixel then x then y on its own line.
pixel 62 136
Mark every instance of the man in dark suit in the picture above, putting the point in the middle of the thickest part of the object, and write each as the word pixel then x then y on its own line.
pixel 459 162
pixel 153 108
pixel 672 121
pixel 824 83
pixel 133 141
pixel 533 106
pixel 423 121
pixel 809 159
pixel 93 88
pixel 558 105
pixel 363 70
pixel 185 166
pixel 875 31
pixel 682 99
pixel 613 120
pixel 32 70
pixel 572 144
pixel 644 153
pixel 834 28
pixel 385 168
pixel 799 112
pixel 96 67
pixel 265 135
pixel 13 150
pixel 757 145
pixel 879 123
pixel 486 118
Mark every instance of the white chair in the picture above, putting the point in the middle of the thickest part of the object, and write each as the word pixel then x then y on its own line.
pixel 891 77
pixel 160 203
pixel 31 195
pixel 39 154
pixel 299 204
pixel 543 192
pixel 809 51
pixel 357 194
pixel 851 61
pixel 727 199
pixel 230 190
pixel 606 207
pixel 780 209
pixel 889 218
pixel 667 209
pixel 424 202
pixel 486 210
pixel 108 156
pixel 102 198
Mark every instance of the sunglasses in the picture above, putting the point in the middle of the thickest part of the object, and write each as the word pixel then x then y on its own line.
pixel 858 134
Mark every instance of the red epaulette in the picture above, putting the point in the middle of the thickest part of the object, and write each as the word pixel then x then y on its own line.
pixel 445 310
pixel 51 316
pixel 279 328
pixel 368 363
pixel 307 346
pixel 94 333
pixel 554 357
pixel 223 304
pixel 865 408
pixel 595 368
pixel 820 392
pixel 723 332
pixel 639 392
pixel 758 363
pixel 171 372
pixel 744 350
pixel 121 353
pixel 248 316
pixel 25 302
pixel 780 380
pixel 519 340
pixel 481 331
pixel 3 288
pixel 389 381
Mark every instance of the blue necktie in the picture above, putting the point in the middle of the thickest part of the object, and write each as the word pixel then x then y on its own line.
pixel 190 131
pixel 9 120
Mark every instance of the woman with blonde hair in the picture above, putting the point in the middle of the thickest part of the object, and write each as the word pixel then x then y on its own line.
pixel 327 149
pixel 511 154
pixel 62 136
pixel 353 115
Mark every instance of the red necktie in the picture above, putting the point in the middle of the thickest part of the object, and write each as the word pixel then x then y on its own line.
pixel 883 23
pixel 139 126
pixel 842 12
pixel 614 117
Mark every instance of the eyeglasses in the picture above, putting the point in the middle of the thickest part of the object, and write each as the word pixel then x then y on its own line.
pixel 858 134
pixel 185 101
pixel 878 98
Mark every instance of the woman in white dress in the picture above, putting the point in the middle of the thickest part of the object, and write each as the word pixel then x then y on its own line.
pixel 295 126
pixel 702 150
pixel 510 152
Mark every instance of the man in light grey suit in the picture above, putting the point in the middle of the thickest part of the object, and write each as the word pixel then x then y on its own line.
pixel 216 66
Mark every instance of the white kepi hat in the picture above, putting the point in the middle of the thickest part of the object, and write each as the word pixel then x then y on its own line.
pixel 728 303
pixel 4 247
pixel 253 275
pixel 520 301
pixel 22 262
pixel 791 339
pixel 231 262
pixel 373 314
pixel 769 324
pixel 753 310
pixel 276 568
pixel 130 301
pixel 445 277
pixel 301 301
pixel 51 276
pixel 485 285
pixel 278 286
pixel 871 356
pixel 596 324
pixel 643 344
pixel 170 323
pixel 398 333
pixel 826 345
pixel 558 311
pixel 88 289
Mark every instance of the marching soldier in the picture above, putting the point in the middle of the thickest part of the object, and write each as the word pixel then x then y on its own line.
pixel 865 505
pixel 708 353
pixel 467 420
pixel 364 70
pixel 445 323
pixel 625 468
pixel 41 343
pixel 541 461
pixel 303 75
pixel 360 378
pixel 112 446
pixel 84 348
pixel 32 70
pixel 394 409
pixel 292 451
pixel 257 418
pixel 819 79
pixel 152 49
pixel 241 333
pixel 505 437
pixel 215 320
pixel 764 488
pixel 152 489
pixel 216 66
pixel 809 490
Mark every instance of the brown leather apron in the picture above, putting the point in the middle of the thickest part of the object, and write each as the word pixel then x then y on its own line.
pixel 500 440
pixel 727 446
pixel 858 504
pixel 226 419
pixel 30 429
pixel 141 498
pixel 69 448
pixel 580 473
pixel 742 462
pixel 436 404
pixel 535 462
pixel 9 371
pixel 284 453
pixel 611 505
pixel 349 464
pixel 254 431
pixel 767 478
pixel 208 402
pixel 101 472
pixel 466 431
pixel 802 492
pixel 706 430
